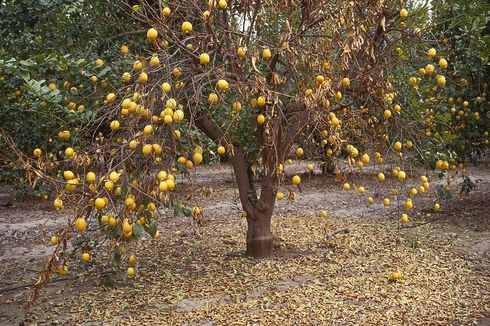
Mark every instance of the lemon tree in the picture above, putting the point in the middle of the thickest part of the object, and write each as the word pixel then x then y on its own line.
pixel 253 85
pixel 266 83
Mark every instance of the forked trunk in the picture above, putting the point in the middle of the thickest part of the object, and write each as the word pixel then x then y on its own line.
pixel 259 237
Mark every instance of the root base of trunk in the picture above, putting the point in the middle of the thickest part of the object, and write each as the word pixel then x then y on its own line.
pixel 260 247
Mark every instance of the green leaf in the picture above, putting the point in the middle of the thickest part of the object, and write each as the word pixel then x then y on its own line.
pixel 152 229
pixel 104 71
pixel 117 257
pixel 137 230
pixel 176 209
pixel 187 211
pixel 25 75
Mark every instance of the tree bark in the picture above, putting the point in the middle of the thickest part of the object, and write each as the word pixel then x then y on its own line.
pixel 259 236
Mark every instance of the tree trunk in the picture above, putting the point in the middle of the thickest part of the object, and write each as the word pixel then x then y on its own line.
pixel 259 236
pixel 259 211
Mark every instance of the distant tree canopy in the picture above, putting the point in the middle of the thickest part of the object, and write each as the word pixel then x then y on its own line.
pixel 28 28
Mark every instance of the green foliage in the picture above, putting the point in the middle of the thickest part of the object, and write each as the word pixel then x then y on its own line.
pixel 35 55
pixel 455 116
pixel 29 28
pixel 464 28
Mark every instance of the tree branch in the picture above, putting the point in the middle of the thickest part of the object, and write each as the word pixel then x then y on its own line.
pixel 237 159
pixel 330 236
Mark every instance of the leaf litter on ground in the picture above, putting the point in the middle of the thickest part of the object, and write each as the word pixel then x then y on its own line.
pixel 190 280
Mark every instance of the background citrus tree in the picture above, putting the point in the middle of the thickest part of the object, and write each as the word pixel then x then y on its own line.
pixel 50 80
pixel 447 116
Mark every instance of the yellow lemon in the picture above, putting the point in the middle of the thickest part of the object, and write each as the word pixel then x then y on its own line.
pixel 58 204
pixel 85 256
pixel 166 87
pixel 124 50
pixel 100 203
pixel 81 224
pixel 241 52
pixel 402 175
pixel 166 12
pixel 197 158
pixel 72 184
pixel 266 54
pixel 386 201
pixel 441 81
pixel 154 61
pixel 397 146
pixel 395 276
pixel 186 27
pixel 213 98
pixel 299 152
pixel 222 85
pixel 204 58
pixel 54 240
pixel 296 180
pixel 431 53
pixel 404 218
pixel 114 176
pixel 403 13
pixel 260 119
pixel 409 204
pixel 110 97
pixel 68 175
pixel 443 63
pixel 365 158
pixel 147 149
pixel 114 125
pixel 69 152
pixel 236 106
pixel 222 4
pixel 152 35
pixel 143 78
pixel 412 81
pixel 261 101
pixel 345 82
pixel 148 130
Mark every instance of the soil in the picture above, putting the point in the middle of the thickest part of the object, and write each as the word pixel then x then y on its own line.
pixel 200 277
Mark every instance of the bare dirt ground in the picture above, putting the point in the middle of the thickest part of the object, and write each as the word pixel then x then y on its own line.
pixel 202 278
